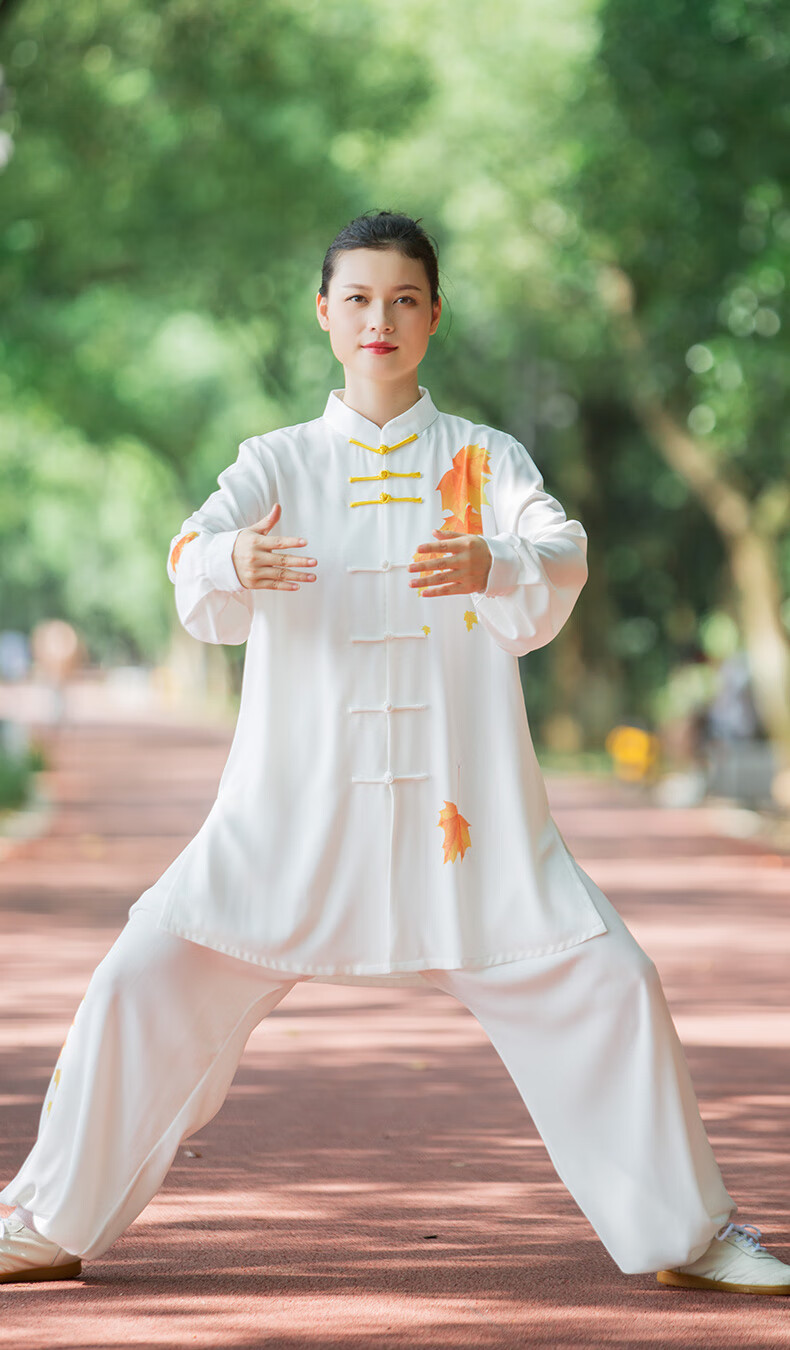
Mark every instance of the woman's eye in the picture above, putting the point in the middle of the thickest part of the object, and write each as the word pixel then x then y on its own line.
pixel 399 300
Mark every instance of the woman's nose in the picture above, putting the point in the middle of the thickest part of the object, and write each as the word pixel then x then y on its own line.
pixel 379 319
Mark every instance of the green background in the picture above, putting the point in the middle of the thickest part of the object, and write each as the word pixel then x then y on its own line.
pixel 608 186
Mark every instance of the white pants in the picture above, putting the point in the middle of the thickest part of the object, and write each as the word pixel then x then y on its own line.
pixel 585 1034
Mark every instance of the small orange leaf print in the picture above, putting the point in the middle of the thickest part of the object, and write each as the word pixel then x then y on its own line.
pixel 426 630
pixel 462 490
pixel 456 832
pixel 471 619
pixel 179 547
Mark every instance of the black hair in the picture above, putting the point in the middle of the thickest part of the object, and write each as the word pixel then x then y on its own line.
pixel 385 229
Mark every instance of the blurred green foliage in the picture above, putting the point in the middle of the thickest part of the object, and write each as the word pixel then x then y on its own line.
pixel 14 782
pixel 17 776
pixel 175 171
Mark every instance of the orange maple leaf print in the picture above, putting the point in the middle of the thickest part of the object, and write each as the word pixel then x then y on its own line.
pixel 462 490
pixel 179 547
pixel 456 832
pixel 463 493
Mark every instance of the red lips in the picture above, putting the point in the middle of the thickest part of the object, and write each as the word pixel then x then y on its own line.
pixel 380 347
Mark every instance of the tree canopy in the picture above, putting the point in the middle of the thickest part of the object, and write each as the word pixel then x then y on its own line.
pixel 608 186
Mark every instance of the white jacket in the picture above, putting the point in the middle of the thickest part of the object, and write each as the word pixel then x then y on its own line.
pixel 381 810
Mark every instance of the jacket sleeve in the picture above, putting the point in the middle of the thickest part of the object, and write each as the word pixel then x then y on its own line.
pixel 211 602
pixel 539 558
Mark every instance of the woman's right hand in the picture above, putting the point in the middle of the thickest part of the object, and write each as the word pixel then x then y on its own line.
pixel 257 565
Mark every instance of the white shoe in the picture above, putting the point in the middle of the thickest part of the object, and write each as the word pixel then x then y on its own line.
pixel 735 1262
pixel 26 1255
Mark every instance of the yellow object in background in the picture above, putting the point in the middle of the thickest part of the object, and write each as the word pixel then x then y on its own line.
pixel 635 752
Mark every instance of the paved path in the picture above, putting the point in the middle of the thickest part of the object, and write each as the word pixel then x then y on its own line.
pixel 373 1179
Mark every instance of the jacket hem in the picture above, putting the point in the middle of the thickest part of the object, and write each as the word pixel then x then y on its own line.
pixel 439 962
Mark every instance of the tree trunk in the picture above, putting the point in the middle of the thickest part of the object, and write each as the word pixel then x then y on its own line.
pixel 752 553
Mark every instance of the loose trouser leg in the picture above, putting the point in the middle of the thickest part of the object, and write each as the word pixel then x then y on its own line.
pixel 148 1061
pixel 590 1044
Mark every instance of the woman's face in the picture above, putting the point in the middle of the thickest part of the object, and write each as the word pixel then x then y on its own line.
pixel 378 313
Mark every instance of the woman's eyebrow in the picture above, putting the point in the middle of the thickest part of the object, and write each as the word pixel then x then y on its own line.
pixel 361 286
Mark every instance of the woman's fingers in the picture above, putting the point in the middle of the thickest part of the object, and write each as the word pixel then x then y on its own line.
pixel 266 522
pixel 266 544
pixel 440 554
pixel 266 553
pixel 282 571
pixel 434 570
pixel 461 564
pixel 259 566
pixel 279 570
pixel 432 591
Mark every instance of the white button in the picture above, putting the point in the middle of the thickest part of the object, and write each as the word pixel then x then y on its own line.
pixel 385 566
pixel 388 707
pixel 388 777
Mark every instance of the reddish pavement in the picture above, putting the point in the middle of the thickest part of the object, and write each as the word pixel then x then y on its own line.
pixel 373 1178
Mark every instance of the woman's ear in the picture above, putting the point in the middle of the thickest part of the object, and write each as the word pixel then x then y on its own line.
pixel 436 314
pixel 320 306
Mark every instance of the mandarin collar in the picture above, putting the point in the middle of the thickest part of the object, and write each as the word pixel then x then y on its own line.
pixel 354 426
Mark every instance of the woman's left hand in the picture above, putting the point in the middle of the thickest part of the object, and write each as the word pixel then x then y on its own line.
pixel 464 568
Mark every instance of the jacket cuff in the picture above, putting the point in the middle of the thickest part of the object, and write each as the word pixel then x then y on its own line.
pixel 512 565
pixel 218 564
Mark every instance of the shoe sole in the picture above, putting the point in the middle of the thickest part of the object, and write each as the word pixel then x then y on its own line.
pixel 674 1277
pixel 68 1271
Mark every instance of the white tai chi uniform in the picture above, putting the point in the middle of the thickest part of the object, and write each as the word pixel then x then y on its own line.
pixel 389 727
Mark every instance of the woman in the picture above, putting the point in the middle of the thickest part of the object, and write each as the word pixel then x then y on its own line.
pixel 381 816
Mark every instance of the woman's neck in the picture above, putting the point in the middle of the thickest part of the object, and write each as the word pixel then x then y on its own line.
pixel 379 402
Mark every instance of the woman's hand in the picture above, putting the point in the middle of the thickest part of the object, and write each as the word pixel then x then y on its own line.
pixel 258 567
pixel 464 568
